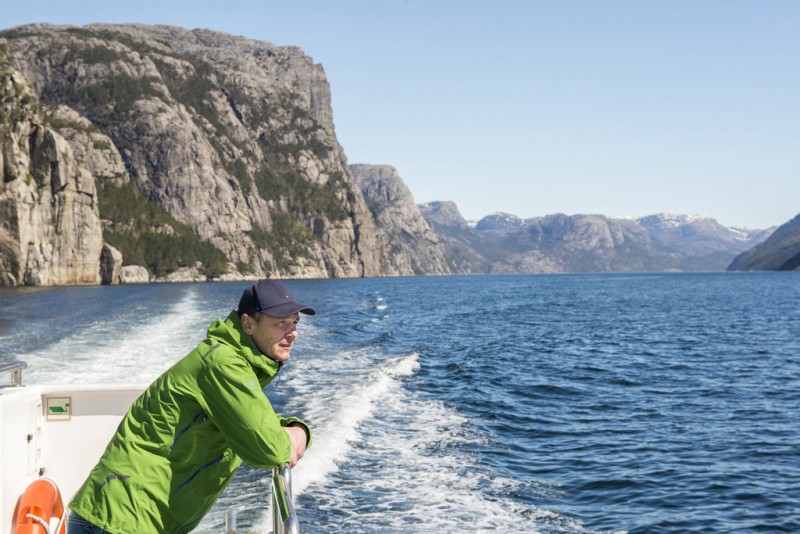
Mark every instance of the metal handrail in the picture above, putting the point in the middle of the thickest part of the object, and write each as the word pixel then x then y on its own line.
pixel 14 367
pixel 284 518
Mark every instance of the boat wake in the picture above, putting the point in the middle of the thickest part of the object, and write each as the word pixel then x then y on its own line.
pixel 129 347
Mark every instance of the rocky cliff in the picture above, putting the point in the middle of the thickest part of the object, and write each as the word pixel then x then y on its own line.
pixel 234 138
pixel 779 252
pixel 136 153
pixel 50 232
pixel 413 248
pixel 504 243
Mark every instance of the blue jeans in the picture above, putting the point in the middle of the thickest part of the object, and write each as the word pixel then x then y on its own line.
pixel 78 525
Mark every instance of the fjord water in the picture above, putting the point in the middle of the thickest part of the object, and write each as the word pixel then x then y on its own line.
pixel 548 403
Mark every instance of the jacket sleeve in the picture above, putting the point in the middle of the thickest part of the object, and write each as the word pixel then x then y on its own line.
pixel 237 405
pixel 294 421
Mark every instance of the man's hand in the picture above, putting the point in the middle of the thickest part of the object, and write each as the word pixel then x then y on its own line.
pixel 297 435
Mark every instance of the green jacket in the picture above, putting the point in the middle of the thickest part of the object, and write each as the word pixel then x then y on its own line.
pixel 183 439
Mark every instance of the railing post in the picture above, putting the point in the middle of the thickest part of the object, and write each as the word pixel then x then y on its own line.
pixel 15 369
pixel 284 518
pixel 230 522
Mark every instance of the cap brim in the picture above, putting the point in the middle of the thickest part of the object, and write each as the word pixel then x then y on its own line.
pixel 289 308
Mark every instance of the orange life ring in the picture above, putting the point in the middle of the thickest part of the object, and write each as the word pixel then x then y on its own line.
pixel 40 502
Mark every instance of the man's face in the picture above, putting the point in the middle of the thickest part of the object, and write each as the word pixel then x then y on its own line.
pixel 274 336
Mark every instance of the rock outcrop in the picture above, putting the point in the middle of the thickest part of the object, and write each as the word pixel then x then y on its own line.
pixel 110 265
pixel 134 274
pixel 413 248
pixel 780 251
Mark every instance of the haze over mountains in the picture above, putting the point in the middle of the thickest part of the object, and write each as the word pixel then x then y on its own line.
pixel 140 153
pixel 503 243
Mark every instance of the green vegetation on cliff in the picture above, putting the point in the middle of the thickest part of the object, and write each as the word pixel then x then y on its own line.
pixel 147 235
pixel 241 125
pixel 288 240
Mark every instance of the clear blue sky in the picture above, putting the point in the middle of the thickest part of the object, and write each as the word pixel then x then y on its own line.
pixel 625 107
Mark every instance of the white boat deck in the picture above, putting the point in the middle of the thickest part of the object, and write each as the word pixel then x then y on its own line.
pixel 57 432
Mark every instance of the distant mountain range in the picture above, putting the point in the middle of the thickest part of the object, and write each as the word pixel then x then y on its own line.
pixel 134 153
pixel 504 243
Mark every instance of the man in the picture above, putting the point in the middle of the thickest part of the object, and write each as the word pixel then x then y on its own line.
pixel 184 438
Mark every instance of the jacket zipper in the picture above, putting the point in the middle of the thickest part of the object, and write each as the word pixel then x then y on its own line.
pixel 201 468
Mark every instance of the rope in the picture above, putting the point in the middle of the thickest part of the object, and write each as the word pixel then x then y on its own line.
pixel 41 521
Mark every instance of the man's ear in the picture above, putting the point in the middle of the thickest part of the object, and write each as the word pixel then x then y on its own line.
pixel 247 324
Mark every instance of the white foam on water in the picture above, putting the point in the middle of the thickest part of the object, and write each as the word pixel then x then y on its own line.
pixel 132 348
pixel 419 469
pixel 339 413
pixel 337 393
pixel 386 458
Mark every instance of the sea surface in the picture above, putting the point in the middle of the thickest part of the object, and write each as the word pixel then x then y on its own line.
pixel 545 403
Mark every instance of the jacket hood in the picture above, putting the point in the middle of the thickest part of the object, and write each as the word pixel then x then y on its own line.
pixel 230 332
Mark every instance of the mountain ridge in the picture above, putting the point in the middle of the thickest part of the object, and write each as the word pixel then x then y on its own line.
pixel 228 149
pixel 506 243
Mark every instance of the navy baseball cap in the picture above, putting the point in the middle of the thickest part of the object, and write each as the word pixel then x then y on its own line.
pixel 272 298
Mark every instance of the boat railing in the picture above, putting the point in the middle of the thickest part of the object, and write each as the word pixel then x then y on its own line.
pixel 284 517
pixel 14 367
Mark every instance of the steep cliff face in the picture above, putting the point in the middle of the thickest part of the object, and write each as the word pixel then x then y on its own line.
pixel 233 137
pixel 412 246
pixel 779 252
pixel 50 232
